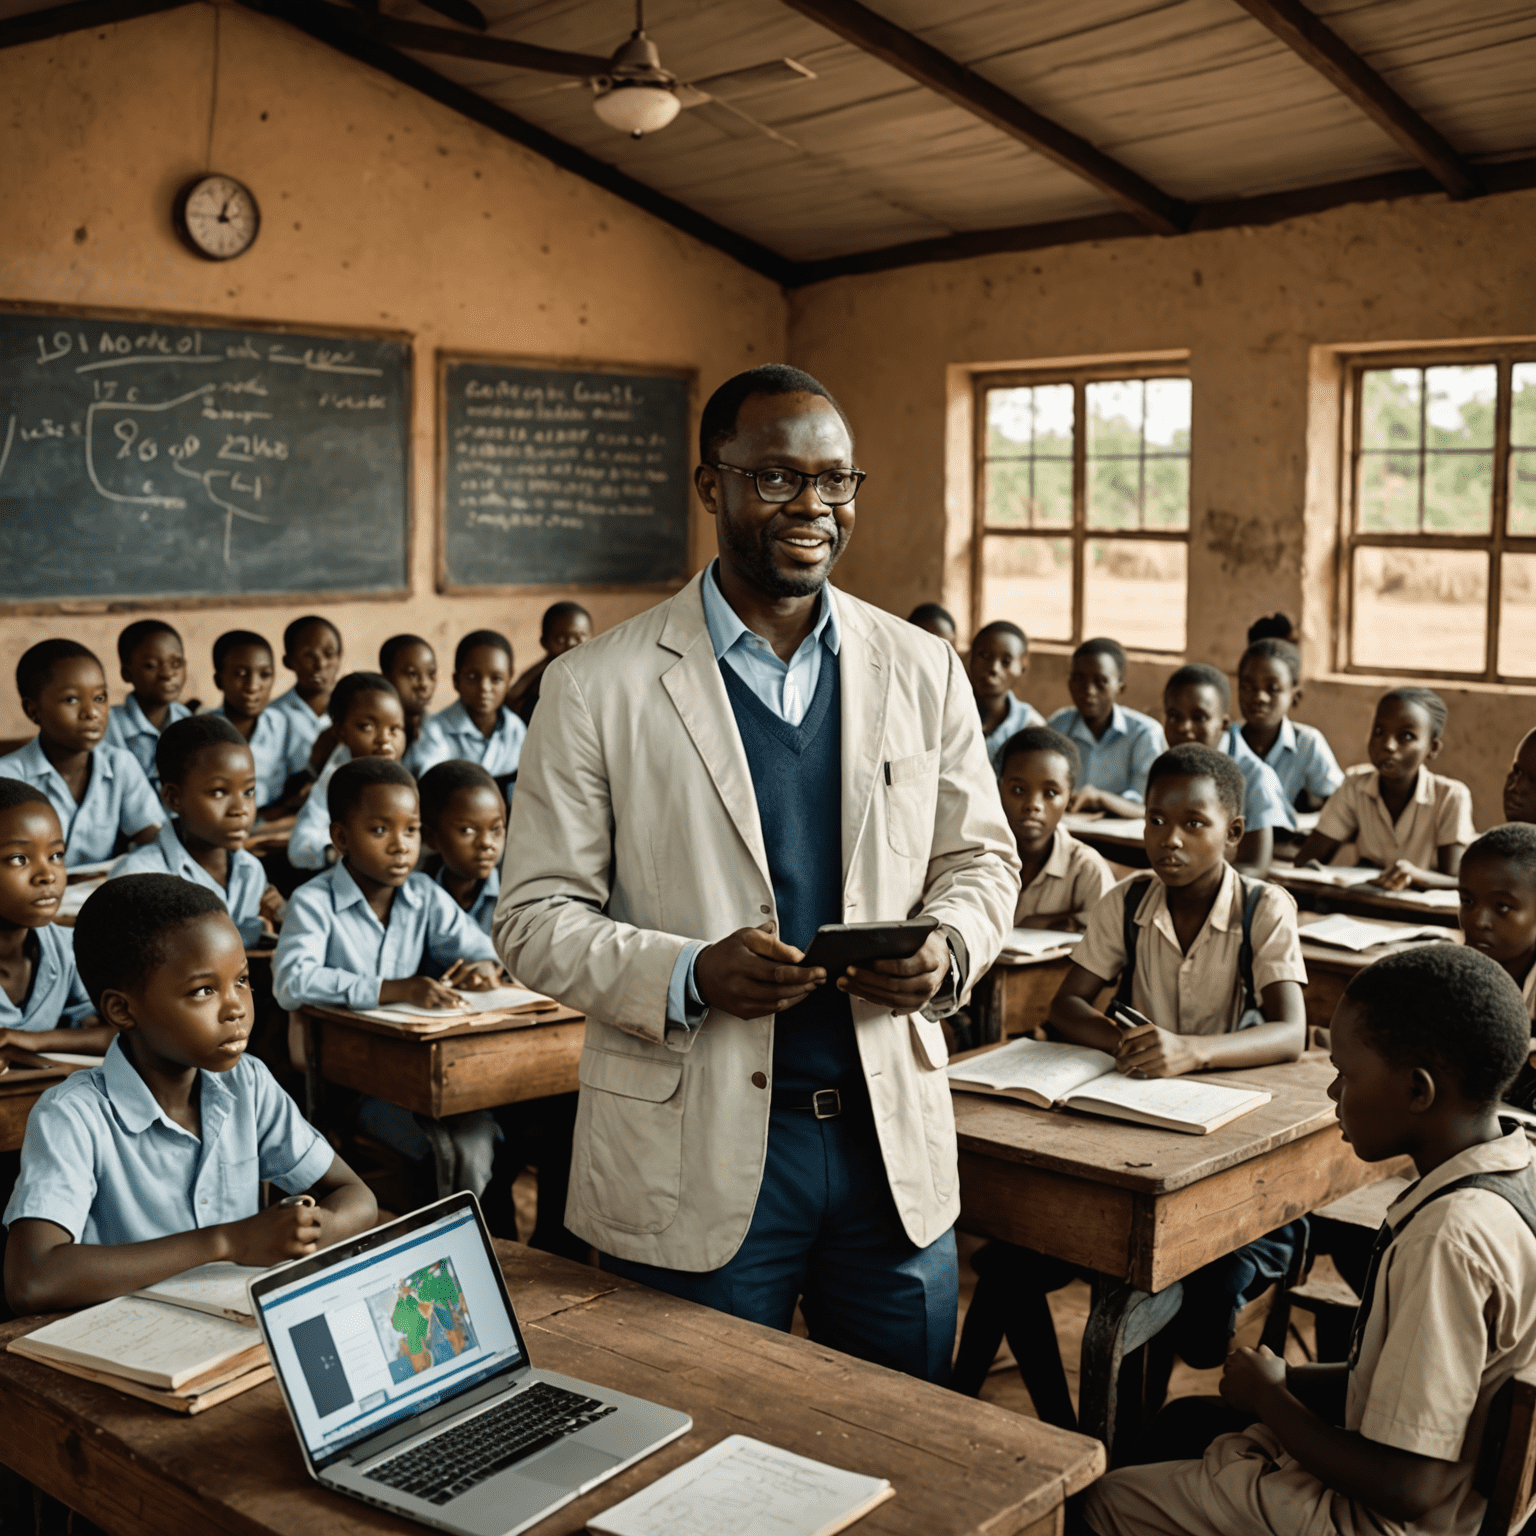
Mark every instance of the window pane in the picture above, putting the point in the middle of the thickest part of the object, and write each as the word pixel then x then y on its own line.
pixel 1129 419
pixel 1008 493
pixel 1522 491
pixel 1114 493
pixel 1114 416
pixel 1029 452
pixel 1054 410
pixel 1167 415
pixel 1167 493
pixel 1028 582
pixel 1522 405
pixel 1133 589
pixel 1389 493
pixel 1389 408
pixel 1517 618
pixel 1424 610
pixel 1010 421
pixel 1459 410
pixel 1458 492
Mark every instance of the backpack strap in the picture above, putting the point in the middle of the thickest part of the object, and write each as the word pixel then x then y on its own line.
pixel 1135 892
pixel 1252 891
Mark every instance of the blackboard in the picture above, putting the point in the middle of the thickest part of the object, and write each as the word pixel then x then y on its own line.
pixel 556 475
pixel 148 458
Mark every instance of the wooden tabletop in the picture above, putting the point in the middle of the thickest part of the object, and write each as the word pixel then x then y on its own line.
pixel 958 1465
pixel 1365 900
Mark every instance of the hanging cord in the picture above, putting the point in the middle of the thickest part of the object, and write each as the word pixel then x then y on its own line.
pixel 213 92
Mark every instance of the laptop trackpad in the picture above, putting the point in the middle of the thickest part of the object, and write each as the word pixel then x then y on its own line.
pixel 567 1466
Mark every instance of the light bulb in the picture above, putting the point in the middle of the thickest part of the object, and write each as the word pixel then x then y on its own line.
pixel 637 107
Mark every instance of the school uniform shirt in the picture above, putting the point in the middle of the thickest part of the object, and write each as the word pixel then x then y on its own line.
pixel 1199 993
pixel 1439 813
pixel 129 727
pixel 118 799
pixel 103 1160
pixel 269 746
pixel 311 834
pixel 1304 762
pixel 483 907
pixel 334 950
pixel 1118 761
pixel 1265 804
pixel 301 725
pixel 1071 881
pixel 452 734
pixel 168 855
pixel 57 997
pixel 1020 717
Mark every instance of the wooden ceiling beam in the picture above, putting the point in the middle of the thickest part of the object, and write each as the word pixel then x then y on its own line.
pixel 35 26
pixel 471 45
pixel 920 61
pixel 1344 69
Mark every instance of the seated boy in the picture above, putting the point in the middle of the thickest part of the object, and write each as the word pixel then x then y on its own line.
pixel 208 784
pixel 937 620
pixel 1061 878
pixel 1423 1044
pixel 43 1005
pixel 152 1163
pixel 243 672
pixel 479 728
pixel 154 664
pixel 361 934
pixel 1117 744
pixel 464 823
pixel 411 665
pixel 1520 782
pixel 369 723
pixel 99 791
pixel 565 626
pixel 1268 688
pixel 312 652
pixel 1197 707
pixel 999 659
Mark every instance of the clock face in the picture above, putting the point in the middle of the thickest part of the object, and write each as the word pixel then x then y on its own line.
pixel 218 217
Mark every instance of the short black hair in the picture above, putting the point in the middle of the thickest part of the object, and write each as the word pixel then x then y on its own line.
pixel 1421 698
pixel 1514 842
pixel 135 634
pixel 294 630
pixel 1200 674
pixel 390 650
pixel 565 609
pixel 1277 650
pixel 355 686
pixel 38 661
pixel 440 784
pixel 717 426
pixel 1274 626
pixel 933 613
pixel 181 742
pixel 234 640
pixel 1102 645
pixel 1002 627
pixel 14 792
pixel 352 781
pixel 1041 738
pixel 123 929
pixel 479 637
pixel 1193 761
pixel 1448 1007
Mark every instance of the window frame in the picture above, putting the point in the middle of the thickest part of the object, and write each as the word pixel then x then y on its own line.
pixel 1496 543
pixel 1079 533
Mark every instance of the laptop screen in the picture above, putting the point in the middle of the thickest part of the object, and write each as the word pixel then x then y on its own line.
pixel 390 1332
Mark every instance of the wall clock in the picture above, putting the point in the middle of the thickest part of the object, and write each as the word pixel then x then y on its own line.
pixel 216 217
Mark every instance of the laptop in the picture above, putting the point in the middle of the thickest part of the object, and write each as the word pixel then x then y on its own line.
pixel 408 1381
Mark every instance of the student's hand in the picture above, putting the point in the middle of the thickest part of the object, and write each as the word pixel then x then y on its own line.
pixel 423 991
pixel 273 908
pixel 1155 1052
pixel 903 986
pixel 478 977
pixel 1086 799
pixel 1398 876
pixel 751 973
pixel 1249 1376
pixel 1310 864
pixel 278 1233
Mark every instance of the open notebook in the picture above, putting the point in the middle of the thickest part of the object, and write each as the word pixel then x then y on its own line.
pixel 1359 934
pixel 496 1000
pixel 1025 946
pixel 1054 1076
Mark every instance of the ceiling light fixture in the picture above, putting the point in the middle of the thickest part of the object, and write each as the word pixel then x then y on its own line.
pixel 637 96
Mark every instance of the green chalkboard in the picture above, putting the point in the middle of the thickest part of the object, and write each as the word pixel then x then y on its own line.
pixel 158 459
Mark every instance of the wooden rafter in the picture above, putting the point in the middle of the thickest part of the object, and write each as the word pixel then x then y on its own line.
pixel 78 17
pixel 470 45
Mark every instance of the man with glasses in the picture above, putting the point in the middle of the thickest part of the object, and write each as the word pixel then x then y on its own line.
pixel 702 788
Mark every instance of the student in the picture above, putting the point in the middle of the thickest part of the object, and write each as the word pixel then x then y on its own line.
pixel 1388 1441
pixel 1411 822
pixel 208 784
pixel 359 936
pixel 1520 782
pixel 1273 626
pixel 312 652
pixel 242 672
pixel 1118 744
pixel 1268 688
pixel 152 661
pixel 369 723
pixel 464 823
pixel 479 728
pixel 152 1163
pixel 43 1004
pixel 998 661
pixel 937 620
pixel 99 791
pixel 1061 878
pixel 1197 707
pixel 566 625
pixel 411 665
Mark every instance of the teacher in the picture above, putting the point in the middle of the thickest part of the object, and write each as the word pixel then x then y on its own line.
pixel 702 788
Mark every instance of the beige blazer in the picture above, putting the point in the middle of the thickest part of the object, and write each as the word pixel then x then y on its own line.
pixel 635 829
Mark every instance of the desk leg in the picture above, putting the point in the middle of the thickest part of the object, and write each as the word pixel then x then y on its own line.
pixel 314 1084
pixel 1120 1321
pixel 442 1153
pixel 987 1009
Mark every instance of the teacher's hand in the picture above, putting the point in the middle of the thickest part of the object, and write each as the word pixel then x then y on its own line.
pixel 750 973
pixel 903 986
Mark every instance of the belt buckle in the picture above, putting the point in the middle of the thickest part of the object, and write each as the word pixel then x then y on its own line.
pixel 831 1099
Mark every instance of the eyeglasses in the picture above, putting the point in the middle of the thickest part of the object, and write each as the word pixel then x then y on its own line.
pixel 835 487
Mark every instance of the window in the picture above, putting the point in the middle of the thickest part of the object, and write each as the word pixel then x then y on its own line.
pixel 1439 571
pixel 1082 506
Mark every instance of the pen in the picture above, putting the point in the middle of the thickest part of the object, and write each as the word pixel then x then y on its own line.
pixel 296 1200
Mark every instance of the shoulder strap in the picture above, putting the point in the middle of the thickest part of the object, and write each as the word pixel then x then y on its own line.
pixel 1252 891
pixel 1134 894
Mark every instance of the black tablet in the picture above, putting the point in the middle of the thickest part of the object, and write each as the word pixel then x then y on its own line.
pixel 839 945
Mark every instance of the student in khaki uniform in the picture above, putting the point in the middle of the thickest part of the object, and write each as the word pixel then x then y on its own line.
pixel 1386 1443
pixel 1411 822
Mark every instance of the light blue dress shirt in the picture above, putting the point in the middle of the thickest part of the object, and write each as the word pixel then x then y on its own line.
pixel 129 727
pixel 301 725
pixel 1265 804
pixel 334 951
pixel 1020 717
pixel 311 835
pixel 1304 762
pixel 102 1159
pixel 453 735
pixel 1117 762
pixel 118 799
pixel 269 746
pixel 57 998
pixel 168 856
pixel 483 907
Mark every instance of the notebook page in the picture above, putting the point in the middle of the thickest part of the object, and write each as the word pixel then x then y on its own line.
pixel 1183 1099
pixel 1048 1067
pixel 748 1489
pixel 217 1288
pixel 1024 943
pixel 493 1001
pixel 1359 934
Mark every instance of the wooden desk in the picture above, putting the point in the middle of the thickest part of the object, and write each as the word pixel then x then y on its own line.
pixel 1121 842
pixel 1015 999
pixel 958 1465
pixel 1329 968
pixel 17 1096
pixel 1364 900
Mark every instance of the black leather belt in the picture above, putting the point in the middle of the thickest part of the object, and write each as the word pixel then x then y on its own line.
pixel 824 1103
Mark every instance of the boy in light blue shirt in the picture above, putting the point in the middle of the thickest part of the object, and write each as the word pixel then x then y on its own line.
pixel 464 823
pixel 999 662
pixel 243 672
pixel 152 661
pixel 99 791
pixel 1117 745
pixel 1268 688
pixel 479 728
pixel 312 652
pixel 152 1163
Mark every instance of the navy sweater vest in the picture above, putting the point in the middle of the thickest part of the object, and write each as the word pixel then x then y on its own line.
pixel 797 778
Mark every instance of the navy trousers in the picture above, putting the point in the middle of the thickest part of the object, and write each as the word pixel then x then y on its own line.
pixel 825 1233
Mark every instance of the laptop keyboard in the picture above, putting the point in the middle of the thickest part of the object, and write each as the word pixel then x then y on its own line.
pixel 449 1464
